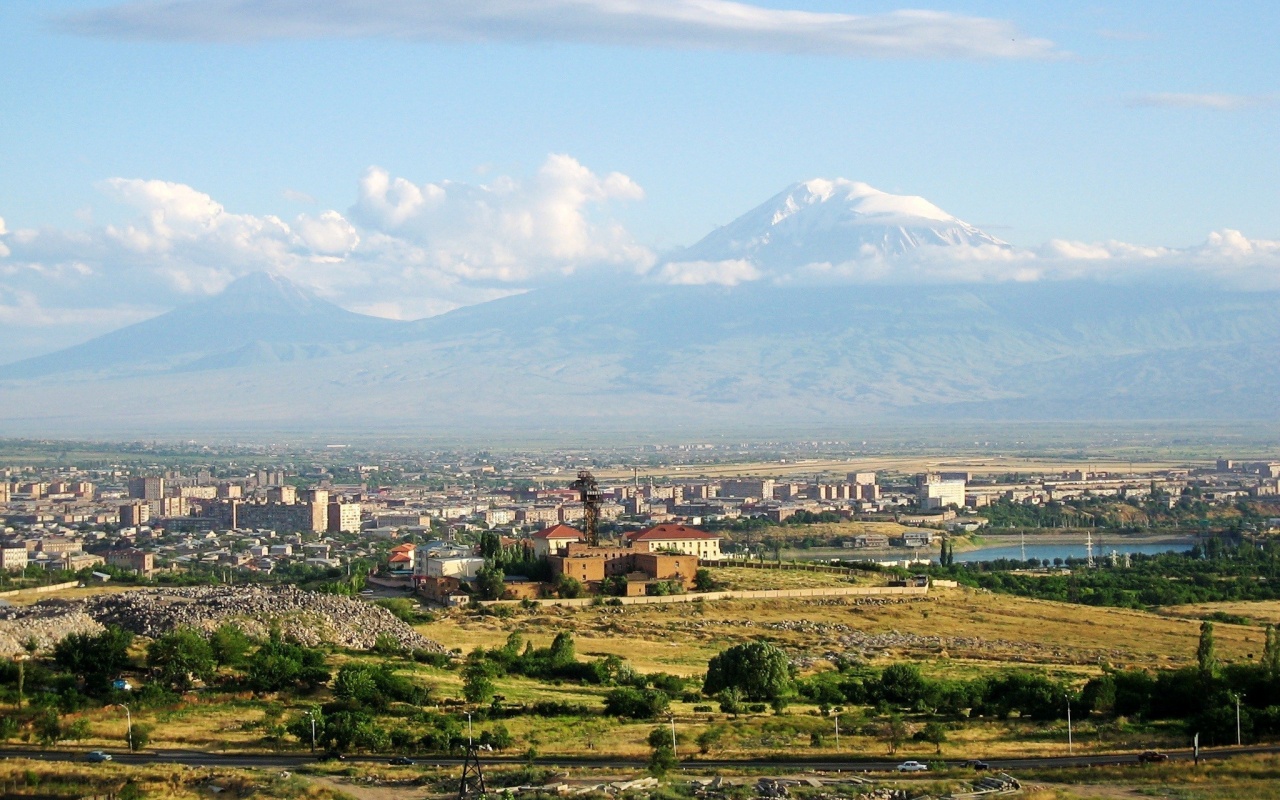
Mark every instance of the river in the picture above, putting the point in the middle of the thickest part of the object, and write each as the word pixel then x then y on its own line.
pixel 1101 548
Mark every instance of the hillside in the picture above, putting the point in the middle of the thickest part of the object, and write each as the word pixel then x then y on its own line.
pixel 676 351
pixel 624 354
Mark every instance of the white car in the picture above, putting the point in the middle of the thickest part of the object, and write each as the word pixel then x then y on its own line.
pixel 912 766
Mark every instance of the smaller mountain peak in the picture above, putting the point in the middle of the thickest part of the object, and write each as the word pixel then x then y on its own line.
pixel 266 291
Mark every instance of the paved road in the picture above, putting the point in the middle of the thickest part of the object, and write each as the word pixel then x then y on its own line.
pixel 196 758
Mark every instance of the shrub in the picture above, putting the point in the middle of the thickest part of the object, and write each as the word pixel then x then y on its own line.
pixel 632 703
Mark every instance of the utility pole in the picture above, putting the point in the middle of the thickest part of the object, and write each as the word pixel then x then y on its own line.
pixel 837 731
pixel 469 737
pixel 672 717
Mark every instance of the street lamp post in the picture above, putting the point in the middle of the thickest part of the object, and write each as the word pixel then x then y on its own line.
pixel 311 715
pixel 1238 741
pixel 128 721
pixel 1071 747
pixel 837 731
pixel 672 717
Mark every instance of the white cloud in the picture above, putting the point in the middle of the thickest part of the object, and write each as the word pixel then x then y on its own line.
pixel 1209 101
pixel 702 273
pixel 1226 257
pixel 404 250
pixel 506 230
pixel 683 24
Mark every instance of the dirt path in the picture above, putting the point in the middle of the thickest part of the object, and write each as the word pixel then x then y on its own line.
pixel 1105 791
pixel 368 791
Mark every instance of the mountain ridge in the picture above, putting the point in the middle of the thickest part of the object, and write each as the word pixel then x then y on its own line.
pixel 611 351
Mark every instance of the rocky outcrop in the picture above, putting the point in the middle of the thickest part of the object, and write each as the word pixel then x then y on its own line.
pixel 45 627
pixel 311 618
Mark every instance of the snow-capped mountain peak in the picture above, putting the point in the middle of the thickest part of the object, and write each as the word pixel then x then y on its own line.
pixel 834 221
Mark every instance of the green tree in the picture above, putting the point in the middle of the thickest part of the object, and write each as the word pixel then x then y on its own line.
pixel 703 582
pixel 77 730
pixel 709 738
pixel 895 732
pixel 490 546
pixel 279 665
pixel 759 670
pixel 47 727
pixel 489 583
pixel 615 585
pixel 141 735
pixel 1206 653
pixel 180 658
pixel 902 684
pixel 633 703
pixel 568 587
pixel 355 682
pixel 231 645
pixel 301 726
pixel 1271 652
pixel 662 759
pixel 731 700
pixel 563 651
pixel 8 727
pixel 99 658
pixel 477 683
pixel 935 734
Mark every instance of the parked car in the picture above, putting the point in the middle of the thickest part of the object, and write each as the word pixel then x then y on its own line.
pixel 977 766
pixel 912 766
pixel 97 757
pixel 401 761
pixel 1152 757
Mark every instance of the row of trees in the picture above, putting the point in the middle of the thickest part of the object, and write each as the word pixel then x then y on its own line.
pixel 1216 570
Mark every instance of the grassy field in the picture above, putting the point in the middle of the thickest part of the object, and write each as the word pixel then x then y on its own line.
pixel 1003 630
pixel 26 598
pixel 952 633
pixel 1262 612
pixel 744 579
pixel 19 777
pixel 1242 778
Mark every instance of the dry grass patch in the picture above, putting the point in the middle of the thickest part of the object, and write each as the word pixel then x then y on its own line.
pixel 750 579
pixel 983 629
pixel 155 782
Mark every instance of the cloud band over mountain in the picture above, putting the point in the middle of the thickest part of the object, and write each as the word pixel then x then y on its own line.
pixel 407 250
pixel 676 24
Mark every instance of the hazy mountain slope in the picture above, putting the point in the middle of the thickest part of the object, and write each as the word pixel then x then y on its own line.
pixel 621 353
pixel 631 356
pixel 258 319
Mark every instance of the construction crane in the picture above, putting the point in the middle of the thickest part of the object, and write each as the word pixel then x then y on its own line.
pixel 590 496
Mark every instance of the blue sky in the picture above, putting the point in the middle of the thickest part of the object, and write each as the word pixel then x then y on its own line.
pixel 1147 123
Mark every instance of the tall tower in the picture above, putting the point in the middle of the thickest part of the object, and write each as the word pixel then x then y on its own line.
pixel 590 496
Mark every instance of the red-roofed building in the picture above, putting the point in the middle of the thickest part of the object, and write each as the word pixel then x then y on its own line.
pixel 554 540
pixel 676 538
pixel 402 557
